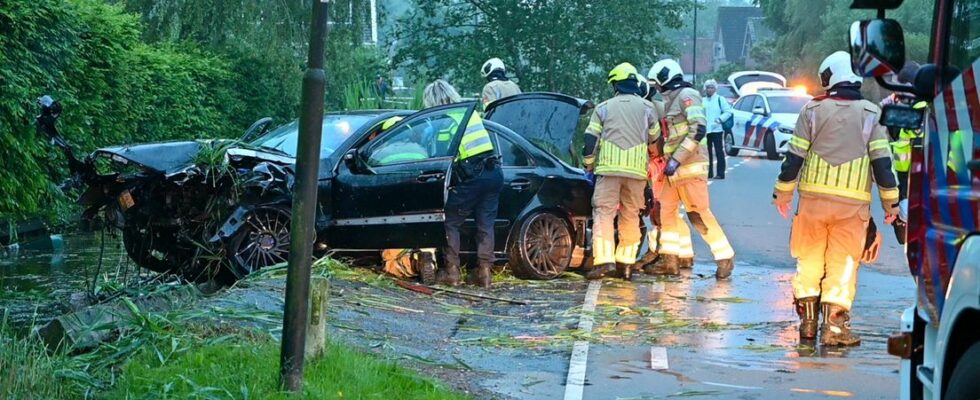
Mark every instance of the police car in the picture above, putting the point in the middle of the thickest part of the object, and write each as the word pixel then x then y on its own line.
pixel 764 120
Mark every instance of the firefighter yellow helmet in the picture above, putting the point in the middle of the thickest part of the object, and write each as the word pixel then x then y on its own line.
pixel 388 123
pixel 623 72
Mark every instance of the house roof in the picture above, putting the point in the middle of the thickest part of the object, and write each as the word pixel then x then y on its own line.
pixel 755 31
pixel 732 23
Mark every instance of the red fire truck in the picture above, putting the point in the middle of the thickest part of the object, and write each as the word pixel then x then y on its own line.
pixel 939 341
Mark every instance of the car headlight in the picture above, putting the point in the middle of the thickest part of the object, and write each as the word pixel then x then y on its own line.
pixel 788 131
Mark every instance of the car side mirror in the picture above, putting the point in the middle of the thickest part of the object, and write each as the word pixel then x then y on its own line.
pixel 877 47
pixel 354 162
pixel 759 110
pixel 901 116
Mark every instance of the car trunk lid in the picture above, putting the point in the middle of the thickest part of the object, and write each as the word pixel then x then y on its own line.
pixel 748 82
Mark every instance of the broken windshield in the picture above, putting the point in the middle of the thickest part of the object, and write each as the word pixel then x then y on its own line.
pixel 336 129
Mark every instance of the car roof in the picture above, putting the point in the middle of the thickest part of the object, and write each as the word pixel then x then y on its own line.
pixel 368 112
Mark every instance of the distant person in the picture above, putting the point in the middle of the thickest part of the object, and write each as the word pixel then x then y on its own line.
pixel 381 88
pixel 498 85
pixel 718 111
pixel 475 188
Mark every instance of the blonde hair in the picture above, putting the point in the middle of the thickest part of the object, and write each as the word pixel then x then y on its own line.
pixel 438 93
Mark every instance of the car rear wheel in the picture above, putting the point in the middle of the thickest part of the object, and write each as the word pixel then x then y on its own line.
pixel 262 241
pixel 542 248
pixel 770 147
pixel 730 145
pixel 963 383
pixel 139 240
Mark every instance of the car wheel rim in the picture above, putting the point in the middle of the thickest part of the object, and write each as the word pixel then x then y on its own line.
pixel 266 243
pixel 729 143
pixel 548 245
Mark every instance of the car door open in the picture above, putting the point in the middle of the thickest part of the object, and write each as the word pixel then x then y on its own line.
pixel 391 191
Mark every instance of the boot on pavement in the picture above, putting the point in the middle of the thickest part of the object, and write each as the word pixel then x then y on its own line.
pixel 685 262
pixel 648 258
pixel 448 276
pixel 836 329
pixel 624 271
pixel 426 268
pixel 808 308
pixel 725 268
pixel 481 277
pixel 667 264
pixel 600 271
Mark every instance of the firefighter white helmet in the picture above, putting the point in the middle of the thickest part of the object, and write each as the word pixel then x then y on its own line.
pixel 664 71
pixel 491 65
pixel 836 68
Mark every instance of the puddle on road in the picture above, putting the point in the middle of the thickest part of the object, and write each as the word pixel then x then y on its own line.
pixel 36 285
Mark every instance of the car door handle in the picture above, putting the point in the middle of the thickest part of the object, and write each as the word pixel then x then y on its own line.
pixel 431 176
pixel 520 184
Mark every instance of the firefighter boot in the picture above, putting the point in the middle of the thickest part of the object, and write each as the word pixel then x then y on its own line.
pixel 668 264
pixel 836 329
pixel 448 276
pixel 808 308
pixel 600 271
pixel 624 271
pixel 685 262
pixel 426 268
pixel 725 268
pixel 648 258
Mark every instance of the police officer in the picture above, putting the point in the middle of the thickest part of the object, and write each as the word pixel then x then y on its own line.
pixel 498 85
pixel 617 143
pixel 837 150
pixel 686 175
pixel 475 191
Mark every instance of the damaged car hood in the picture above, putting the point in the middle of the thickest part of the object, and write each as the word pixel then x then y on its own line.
pixel 155 157
pixel 549 120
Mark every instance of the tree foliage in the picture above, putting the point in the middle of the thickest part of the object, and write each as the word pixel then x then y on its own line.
pixel 807 31
pixel 565 46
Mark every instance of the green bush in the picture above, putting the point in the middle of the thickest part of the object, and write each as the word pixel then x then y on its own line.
pixel 115 88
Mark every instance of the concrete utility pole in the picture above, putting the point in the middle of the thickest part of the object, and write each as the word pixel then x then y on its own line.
pixel 302 229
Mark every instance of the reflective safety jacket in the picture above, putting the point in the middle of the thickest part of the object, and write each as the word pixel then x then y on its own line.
pixel 476 139
pixel 624 127
pixel 837 150
pixel 684 114
pixel 902 147
pixel 498 89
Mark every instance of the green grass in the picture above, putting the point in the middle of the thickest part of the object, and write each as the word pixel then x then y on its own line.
pixel 249 370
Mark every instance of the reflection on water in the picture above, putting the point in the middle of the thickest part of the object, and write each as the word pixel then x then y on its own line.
pixel 35 285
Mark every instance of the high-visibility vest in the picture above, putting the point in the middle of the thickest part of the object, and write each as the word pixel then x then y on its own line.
pixel 902 147
pixel 476 139
pixel 613 160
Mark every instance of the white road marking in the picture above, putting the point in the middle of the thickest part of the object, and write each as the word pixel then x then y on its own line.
pixel 577 364
pixel 725 385
pixel 658 358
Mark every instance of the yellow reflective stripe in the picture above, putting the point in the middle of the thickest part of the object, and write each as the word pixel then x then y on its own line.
pixel 694 169
pixel 613 159
pixel 878 144
pixel 834 191
pixel 689 144
pixel 595 127
pixel 476 139
pixel 799 142
pixel 888 194
pixel 785 186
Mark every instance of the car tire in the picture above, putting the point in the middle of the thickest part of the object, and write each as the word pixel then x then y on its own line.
pixel 262 241
pixel 138 245
pixel 730 145
pixel 769 145
pixel 542 247
pixel 963 383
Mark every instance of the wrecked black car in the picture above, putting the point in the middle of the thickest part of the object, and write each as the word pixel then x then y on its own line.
pixel 210 208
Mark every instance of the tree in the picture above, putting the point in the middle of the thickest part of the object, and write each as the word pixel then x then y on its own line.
pixel 565 46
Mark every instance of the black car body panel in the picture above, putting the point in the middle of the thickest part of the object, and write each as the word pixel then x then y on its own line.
pixel 157 157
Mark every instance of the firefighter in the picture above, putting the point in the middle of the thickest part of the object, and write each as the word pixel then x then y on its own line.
pixel 837 150
pixel 686 178
pixel 475 190
pixel 498 85
pixel 617 143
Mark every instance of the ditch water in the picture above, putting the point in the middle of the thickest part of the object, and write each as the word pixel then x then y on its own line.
pixel 35 286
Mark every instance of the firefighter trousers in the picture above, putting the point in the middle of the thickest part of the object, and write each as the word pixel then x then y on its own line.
pixel 676 236
pixel 654 239
pixel 827 241
pixel 614 197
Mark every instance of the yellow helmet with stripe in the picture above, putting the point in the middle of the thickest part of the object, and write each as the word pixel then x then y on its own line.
pixel 388 123
pixel 623 72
